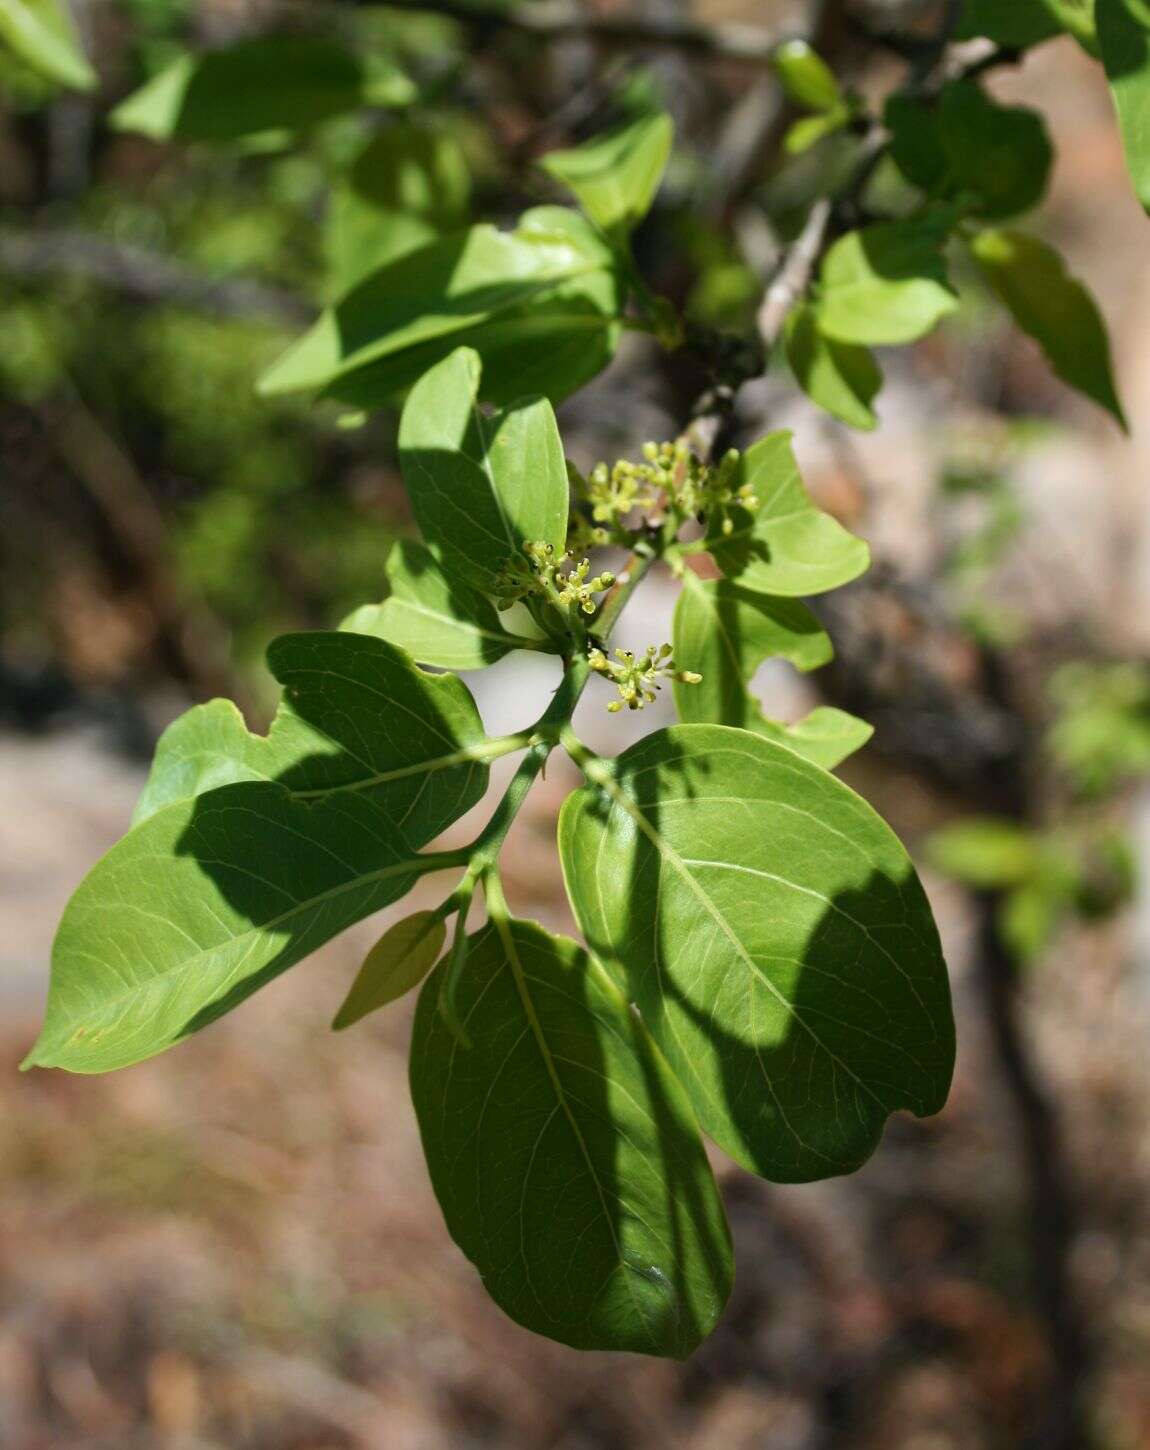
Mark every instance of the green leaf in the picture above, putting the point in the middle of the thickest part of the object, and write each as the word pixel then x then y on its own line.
pixel 1000 155
pixel 810 130
pixel 1018 24
pixel 615 177
pixel 400 960
pixel 1053 308
pixel 916 141
pixel 772 931
pixel 540 304
pixel 564 1154
pixel 436 619
pixel 1124 38
pixel 409 185
pixel 840 377
pixel 481 486
pixel 215 894
pixel 825 737
pixel 256 85
pixel 41 34
pixel 985 852
pixel 787 546
pixel 885 284
pixel 806 77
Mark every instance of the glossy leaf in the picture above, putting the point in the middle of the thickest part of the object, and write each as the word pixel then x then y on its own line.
pixel 41 34
pixel 787 546
pixel 540 304
pixel 409 185
pixel 215 894
pixel 885 284
pixel 1124 39
pixel 842 378
pixel 481 486
pixel 256 85
pixel 399 961
pixel 999 155
pixel 436 619
pixel 564 1154
pixel 1052 307
pixel 615 177
pixel 774 935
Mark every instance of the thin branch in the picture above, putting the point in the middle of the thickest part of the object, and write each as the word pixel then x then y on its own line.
pixel 793 277
pixel 144 276
pixel 559 20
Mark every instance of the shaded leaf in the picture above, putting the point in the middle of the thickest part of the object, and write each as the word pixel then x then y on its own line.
pixel 916 143
pixel 1000 155
pixel 213 895
pixel 41 34
pixel 840 377
pixel 1052 307
pixel 885 284
pixel 436 619
pixel 564 1154
pixel 787 546
pixel 774 935
pixel 615 177
pixel 540 304
pixel 481 485
pixel 256 85
pixel 1018 24
pixel 400 960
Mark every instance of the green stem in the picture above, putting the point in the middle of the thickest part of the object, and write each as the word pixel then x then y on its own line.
pixel 641 561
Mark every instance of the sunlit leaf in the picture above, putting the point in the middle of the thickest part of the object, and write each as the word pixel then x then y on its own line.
pixel 481 485
pixel 41 34
pixel 209 897
pixel 1124 38
pixel 564 1154
pixel 774 935
pixel 438 620
pixel 788 546
pixel 614 177
pixel 541 305
pixel 885 284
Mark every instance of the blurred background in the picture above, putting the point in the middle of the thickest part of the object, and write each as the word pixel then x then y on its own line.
pixel 236 1245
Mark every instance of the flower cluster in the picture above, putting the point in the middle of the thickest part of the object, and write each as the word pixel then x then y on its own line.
pixel 671 479
pixel 543 573
pixel 639 680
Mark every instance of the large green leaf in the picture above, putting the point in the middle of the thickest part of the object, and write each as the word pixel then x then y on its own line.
pixel 436 619
pixel 481 485
pixel 409 185
pixel 1124 38
pixel 774 935
pixel 787 546
pixel 724 633
pixel 564 1153
pixel 256 85
pixel 213 895
pixel 1015 23
pixel 41 33
pixel 998 155
pixel 541 304
pixel 885 284
pixel 614 177
pixel 1054 308
pixel 839 376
